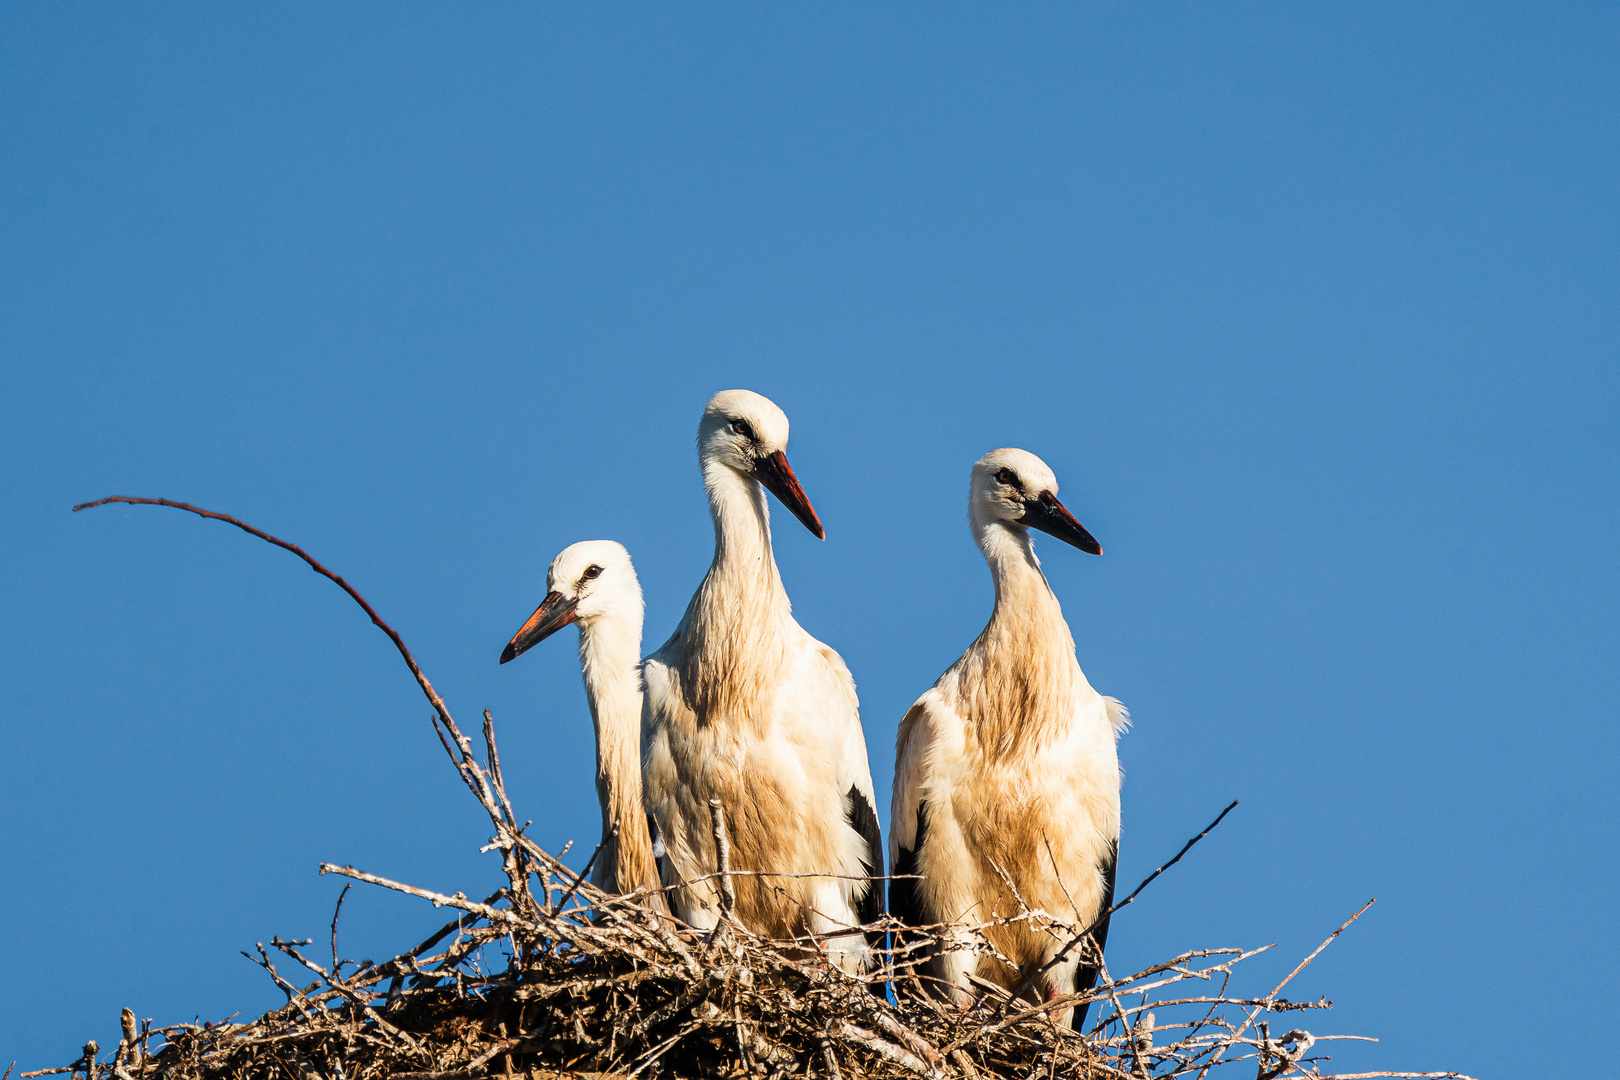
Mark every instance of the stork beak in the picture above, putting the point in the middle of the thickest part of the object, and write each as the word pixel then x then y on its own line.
pixel 777 476
pixel 1050 516
pixel 554 613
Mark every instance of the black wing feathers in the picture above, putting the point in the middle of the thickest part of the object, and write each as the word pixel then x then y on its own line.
pixel 863 819
pixel 1086 977
pixel 904 903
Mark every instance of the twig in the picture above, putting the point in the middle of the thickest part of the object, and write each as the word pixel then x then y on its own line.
pixel 828 1059
pixel 436 899
pixel 722 856
pixel 580 880
pixel 130 1048
pixel 1029 980
pixel 505 827
pixel 512 853
pixel 884 1049
pixel 1305 963
pixel 1301 966
pixel 399 643
pixel 337 909
pixel 965 1063
pixel 337 984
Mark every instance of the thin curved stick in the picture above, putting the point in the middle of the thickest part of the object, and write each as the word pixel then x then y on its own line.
pixel 399 643
pixel 490 793
pixel 1029 980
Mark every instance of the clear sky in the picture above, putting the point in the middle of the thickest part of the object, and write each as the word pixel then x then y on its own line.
pixel 1313 310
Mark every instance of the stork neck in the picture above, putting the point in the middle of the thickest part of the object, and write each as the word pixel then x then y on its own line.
pixel 1014 568
pixel 744 563
pixel 742 518
pixel 609 652
pixel 1021 673
pixel 738 624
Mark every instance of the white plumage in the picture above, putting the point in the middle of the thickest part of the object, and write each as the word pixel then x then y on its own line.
pixel 744 706
pixel 1008 764
pixel 593 583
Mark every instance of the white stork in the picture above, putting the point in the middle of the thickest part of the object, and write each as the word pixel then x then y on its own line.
pixel 1007 765
pixel 744 706
pixel 592 583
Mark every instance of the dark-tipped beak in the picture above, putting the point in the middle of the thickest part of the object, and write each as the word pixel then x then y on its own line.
pixel 1050 516
pixel 554 613
pixel 777 476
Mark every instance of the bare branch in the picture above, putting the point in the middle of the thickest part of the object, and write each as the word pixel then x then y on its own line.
pixel 722 856
pixel 1062 954
pixel 399 643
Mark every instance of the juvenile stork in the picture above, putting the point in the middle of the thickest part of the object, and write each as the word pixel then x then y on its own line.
pixel 1005 770
pixel 593 584
pixel 742 705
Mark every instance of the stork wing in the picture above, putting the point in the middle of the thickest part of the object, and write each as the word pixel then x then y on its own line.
pixel 917 747
pixel 1086 977
pixel 1119 719
pixel 861 814
pixel 862 818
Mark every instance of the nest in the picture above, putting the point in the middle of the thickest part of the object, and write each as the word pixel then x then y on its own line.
pixel 594 985
pixel 552 977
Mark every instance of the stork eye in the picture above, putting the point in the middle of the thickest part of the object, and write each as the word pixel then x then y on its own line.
pixel 741 427
pixel 591 572
pixel 1008 477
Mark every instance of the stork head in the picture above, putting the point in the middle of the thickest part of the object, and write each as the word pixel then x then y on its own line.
pixel 1015 488
pixel 588 581
pixel 746 432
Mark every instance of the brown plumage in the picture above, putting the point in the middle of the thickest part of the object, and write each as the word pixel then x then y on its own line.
pixel 1005 770
pixel 743 706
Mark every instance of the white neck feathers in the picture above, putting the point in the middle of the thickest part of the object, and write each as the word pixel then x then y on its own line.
pixel 1017 681
pixel 609 654
pixel 737 627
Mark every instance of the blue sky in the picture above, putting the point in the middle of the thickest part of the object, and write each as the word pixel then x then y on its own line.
pixel 1313 310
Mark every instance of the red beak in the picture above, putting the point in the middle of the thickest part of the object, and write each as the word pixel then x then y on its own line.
pixel 777 476
pixel 552 615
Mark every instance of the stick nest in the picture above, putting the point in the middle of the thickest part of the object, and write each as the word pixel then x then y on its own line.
pixel 562 980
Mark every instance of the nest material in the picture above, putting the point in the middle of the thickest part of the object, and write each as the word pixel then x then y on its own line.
pixel 595 985
pixel 604 985
pixel 590 983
